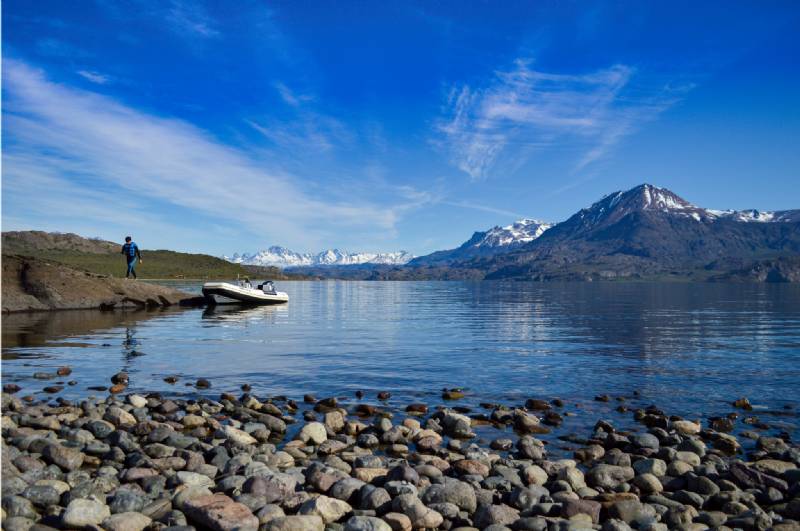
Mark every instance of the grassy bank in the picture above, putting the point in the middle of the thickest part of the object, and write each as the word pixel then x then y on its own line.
pixel 157 265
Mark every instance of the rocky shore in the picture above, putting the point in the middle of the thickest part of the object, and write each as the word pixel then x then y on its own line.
pixel 240 462
pixel 32 284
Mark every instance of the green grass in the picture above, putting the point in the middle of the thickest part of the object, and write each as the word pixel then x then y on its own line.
pixel 157 264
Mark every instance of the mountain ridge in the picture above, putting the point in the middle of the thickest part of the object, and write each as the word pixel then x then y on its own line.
pixel 277 256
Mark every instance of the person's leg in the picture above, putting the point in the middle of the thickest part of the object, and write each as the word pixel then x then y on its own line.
pixel 131 263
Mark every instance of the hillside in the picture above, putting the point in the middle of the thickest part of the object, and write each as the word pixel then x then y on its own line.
pixel 103 258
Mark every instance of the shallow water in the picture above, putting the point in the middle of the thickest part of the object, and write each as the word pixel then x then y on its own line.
pixel 689 348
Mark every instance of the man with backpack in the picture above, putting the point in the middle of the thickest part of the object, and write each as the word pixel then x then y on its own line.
pixel 131 252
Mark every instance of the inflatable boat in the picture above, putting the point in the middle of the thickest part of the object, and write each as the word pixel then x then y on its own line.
pixel 243 293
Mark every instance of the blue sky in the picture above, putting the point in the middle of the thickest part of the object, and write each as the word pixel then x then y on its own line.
pixel 230 126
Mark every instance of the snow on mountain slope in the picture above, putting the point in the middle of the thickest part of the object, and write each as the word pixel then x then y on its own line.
pixel 646 197
pixel 519 232
pixel 282 257
pixel 497 240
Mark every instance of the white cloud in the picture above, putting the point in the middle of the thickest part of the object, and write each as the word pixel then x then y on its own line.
pixel 190 18
pixel 78 144
pixel 524 110
pixel 94 77
pixel 290 97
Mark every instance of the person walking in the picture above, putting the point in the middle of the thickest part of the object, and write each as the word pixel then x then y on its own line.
pixel 131 252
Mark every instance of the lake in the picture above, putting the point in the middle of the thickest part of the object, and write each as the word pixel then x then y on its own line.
pixel 688 348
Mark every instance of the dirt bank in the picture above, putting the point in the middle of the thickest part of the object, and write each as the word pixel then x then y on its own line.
pixel 32 284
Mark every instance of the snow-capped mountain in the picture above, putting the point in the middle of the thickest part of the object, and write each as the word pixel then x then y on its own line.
pixel 281 257
pixel 649 230
pixel 518 233
pixel 494 241
pixel 647 197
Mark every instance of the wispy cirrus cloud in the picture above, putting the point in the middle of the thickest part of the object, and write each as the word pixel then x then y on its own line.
pixel 290 97
pixel 524 110
pixel 190 18
pixel 94 77
pixel 77 144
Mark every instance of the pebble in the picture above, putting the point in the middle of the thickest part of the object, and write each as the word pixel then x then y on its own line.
pixel 226 464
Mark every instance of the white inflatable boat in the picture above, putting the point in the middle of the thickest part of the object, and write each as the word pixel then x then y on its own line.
pixel 243 293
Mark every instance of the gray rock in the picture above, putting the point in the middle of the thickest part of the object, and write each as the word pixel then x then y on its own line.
pixel 295 523
pixel 525 498
pixel 126 522
pixel 127 501
pixel 570 508
pixel 42 495
pixel 502 514
pixel 346 489
pixel 608 476
pixel 654 466
pixel 19 506
pixel 17 523
pixel 451 491
pixel 373 498
pixel 84 513
pixel 366 523
pixel 630 511
pixel 645 440
pixel 66 458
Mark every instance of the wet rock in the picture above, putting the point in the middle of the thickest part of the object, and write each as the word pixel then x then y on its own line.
pixel 457 425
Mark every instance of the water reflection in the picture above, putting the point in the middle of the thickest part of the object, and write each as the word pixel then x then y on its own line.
pixel 699 345
pixel 243 313
pixel 26 330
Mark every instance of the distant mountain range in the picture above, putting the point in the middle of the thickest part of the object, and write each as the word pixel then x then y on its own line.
pixel 497 240
pixel 285 258
pixel 644 232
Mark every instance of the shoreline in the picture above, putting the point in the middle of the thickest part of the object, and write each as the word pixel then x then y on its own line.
pixel 238 461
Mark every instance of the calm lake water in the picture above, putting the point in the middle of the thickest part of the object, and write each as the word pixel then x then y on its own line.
pixel 689 348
